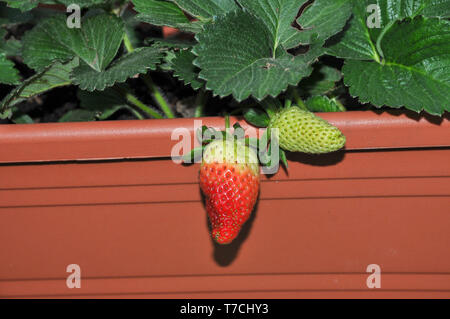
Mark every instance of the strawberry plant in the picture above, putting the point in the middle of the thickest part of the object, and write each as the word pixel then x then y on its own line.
pixel 246 49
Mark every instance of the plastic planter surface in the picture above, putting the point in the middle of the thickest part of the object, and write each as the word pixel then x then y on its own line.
pixel 107 197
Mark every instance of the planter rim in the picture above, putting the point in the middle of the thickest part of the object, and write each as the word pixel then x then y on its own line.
pixel 133 139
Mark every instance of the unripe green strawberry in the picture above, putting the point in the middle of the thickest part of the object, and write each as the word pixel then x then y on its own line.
pixel 302 131
pixel 229 178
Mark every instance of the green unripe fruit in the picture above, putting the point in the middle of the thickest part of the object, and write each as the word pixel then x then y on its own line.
pixel 232 152
pixel 302 131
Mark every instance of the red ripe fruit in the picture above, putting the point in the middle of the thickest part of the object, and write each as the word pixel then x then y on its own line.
pixel 229 179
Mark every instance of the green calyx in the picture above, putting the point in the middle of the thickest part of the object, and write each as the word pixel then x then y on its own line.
pixel 230 146
pixel 231 152
pixel 302 131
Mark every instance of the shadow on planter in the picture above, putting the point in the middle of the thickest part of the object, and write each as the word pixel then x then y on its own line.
pixel 224 255
pixel 312 159
pixel 317 160
pixel 436 120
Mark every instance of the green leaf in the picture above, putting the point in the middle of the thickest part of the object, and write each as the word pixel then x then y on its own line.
pixel 409 56
pixel 324 104
pixel 54 76
pixel 167 60
pixel 160 12
pixel 23 5
pixel 257 117
pixel 355 41
pixel 392 10
pixel 244 52
pixel 322 80
pixel 78 115
pixel 358 41
pixel 184 69
pixel 104 104
pixel 324 18
pixel 415 72
pixel 22 119
pixel 7 114
pixel 82 3
pixel 437 8
pixel 19 117
pixel 137 62
pixel 10 47
pixel 96 43
pixel 170 43
pixel 204 9
pixel 165 13
pixel 8 74
pixel 277 16
pixel 131 24
pixel 239 55
pixel 10 16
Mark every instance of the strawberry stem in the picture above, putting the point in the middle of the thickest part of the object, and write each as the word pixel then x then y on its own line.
pixel 271 106
pixel 132 99
pixel 297 99
pixel 200 102
pixel 154 90
pixel 287 103
pixel 227 126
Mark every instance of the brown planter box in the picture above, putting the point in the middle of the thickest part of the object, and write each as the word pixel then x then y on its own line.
pixel 106 196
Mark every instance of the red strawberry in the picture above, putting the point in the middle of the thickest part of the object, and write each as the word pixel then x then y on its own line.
pixel 229 178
